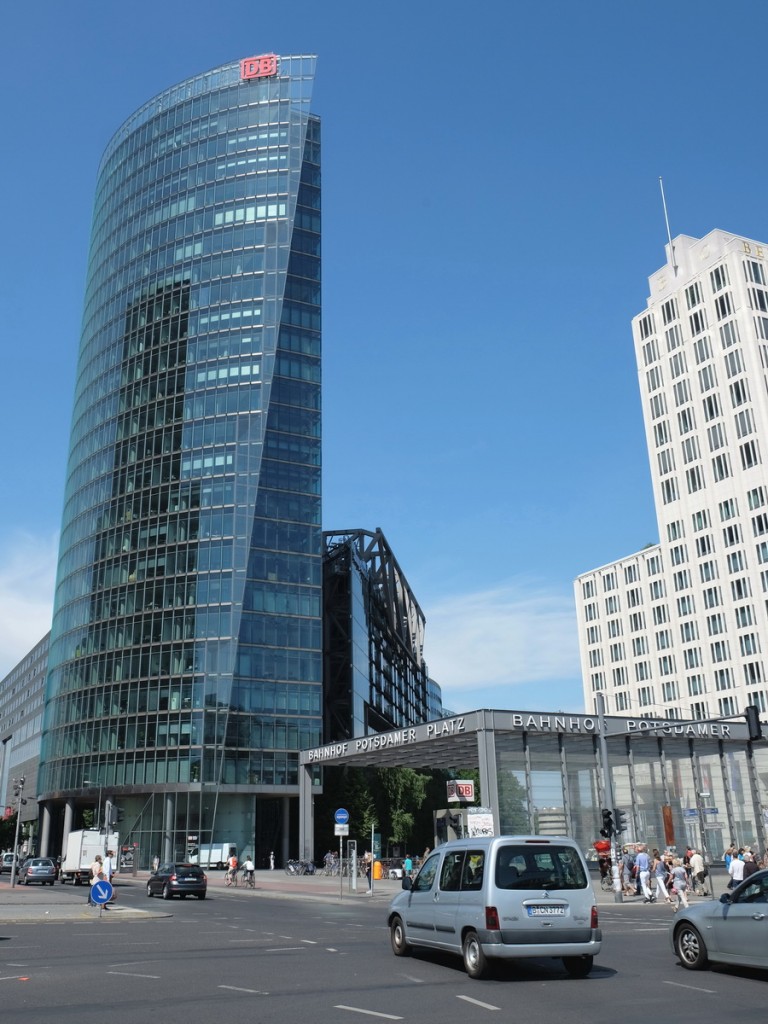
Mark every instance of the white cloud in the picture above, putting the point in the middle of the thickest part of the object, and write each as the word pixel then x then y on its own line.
pixel 519 635
pixel 27 581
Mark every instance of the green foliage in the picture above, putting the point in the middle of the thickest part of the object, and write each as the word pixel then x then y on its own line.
pixel 7 832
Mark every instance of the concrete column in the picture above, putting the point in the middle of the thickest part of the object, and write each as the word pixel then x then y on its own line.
pixel 306 814
pixel 286 837
pixel 45 829
pixel 168 826
pixel 486 760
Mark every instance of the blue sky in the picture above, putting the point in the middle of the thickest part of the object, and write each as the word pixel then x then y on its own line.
pixel 491 214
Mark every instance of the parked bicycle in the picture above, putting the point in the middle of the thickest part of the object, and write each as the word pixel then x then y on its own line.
pixel 299 867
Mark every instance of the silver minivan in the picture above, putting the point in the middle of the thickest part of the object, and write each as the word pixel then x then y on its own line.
pixel 501 898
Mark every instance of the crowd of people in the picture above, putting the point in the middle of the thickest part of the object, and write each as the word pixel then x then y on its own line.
pixel 670 877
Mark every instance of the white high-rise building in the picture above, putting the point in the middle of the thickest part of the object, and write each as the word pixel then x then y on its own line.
pixel 680 629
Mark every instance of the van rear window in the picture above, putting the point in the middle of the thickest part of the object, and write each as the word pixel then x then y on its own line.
pixel 550 867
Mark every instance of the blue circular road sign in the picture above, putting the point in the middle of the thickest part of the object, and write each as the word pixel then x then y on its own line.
pixel 101 892
pixel 341 817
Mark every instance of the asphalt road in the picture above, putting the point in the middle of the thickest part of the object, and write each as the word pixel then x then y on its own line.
pixel 238 956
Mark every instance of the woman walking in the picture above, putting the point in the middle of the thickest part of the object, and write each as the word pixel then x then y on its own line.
pixel 679 881
pixel 659 870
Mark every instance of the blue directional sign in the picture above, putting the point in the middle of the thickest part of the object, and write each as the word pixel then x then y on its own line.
pixel 341 816
pixel 101 892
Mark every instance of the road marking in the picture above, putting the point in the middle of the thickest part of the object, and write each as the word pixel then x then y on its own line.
pixel 250 991
pixel 243 940
pixel 369 1013
pixel 476 1002
pixel 11 977
pixel 283 949
pixel 126 974
pixel 310 942
pixel 678 984
pixel 331 949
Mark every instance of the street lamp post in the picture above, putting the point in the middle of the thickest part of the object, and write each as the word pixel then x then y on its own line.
pixel 87 782
pixel 20 801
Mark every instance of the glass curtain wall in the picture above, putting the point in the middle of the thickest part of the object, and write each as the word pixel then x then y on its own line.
pixel 186 646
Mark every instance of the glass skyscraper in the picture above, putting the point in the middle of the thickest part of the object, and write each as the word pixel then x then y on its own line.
pixel 186 648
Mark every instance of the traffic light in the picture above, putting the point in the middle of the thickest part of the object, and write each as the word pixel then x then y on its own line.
pixel 754 725
pixel 608 827
pixel 620 821
pixel 115 815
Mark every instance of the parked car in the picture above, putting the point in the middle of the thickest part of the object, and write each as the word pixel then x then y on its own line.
pixel 6 864
pixel 177 879
pixel 500 898
pixel 731 930
pixel 37 869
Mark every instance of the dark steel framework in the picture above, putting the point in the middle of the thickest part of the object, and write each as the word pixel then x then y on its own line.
pixel 375 676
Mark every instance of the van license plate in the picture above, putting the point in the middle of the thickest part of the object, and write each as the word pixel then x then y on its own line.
pixel 544 911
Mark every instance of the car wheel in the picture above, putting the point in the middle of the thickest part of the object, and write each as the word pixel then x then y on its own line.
pixel 182 895
pixel 475 960
pixel 397 937
pixel 167 892
pixel 200 895
pixel 149 890
pixel 578 966
pixel 690 948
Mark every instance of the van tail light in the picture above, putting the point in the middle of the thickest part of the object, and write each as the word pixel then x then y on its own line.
pixel 593 918
pixel 492 919
pixel 172 878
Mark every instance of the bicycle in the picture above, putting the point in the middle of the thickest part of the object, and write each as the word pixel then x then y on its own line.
pixel 230 878
pixel 248 879
pixel 606 883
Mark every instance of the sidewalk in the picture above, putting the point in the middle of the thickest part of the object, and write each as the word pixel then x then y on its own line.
pixel 44 904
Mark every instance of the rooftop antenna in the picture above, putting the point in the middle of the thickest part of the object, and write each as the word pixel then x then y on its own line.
pixel 666 221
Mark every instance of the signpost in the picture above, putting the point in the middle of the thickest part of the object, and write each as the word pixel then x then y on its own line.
pixel 101 893
pixel 341 819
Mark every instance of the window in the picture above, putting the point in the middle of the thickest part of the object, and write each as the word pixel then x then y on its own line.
pixel 729 334
pixel 716 624
pixel 660 615
pixel 727 706
pixel 739 393
pixel 593 634
pixel 669 690
pixel 666 460
pixel 756 497
pixel 693 294
pixel 745 423
pixel 612 604
pixel 732 535
pixel 614 628
pixel 689 631
pixel 681 392
pixel 669 491
pixel 711 407
pixel 758 299
pixel 761 328
pixel 723 306
pixel 678 365
pixel 729 509
pixel 695 685
pixel 634 597
pixel 736 561
pixel 719 277
pixel 658 406
pixel 590 612
pixel 616 652
pixel 686 421
pixel 675 530
pixel 716 436
pixel 645 696
pixel 741 588
pixel 744 616
pixel 723 679
pixel 698 321
pixel 720 650
pixel 754 673
pixel 691 449
pixel 712 597
pixel 609 581
pixel 642 671
pixel 700 520
pixel 692 657
pixel 762 551
pixel 707 379
pixel 694 479
pixel 669 311
pixel 639 646
pixel 630 574
pixel 750 454
pixel 674 337
pixel 667 665
pixel 678 554
pixel 646 326
pixel 754 272
pixel 760 524
pixel 598 680
pixel 588 588
pixel 620 677
pixel 636 621
pixel 734 363
pixel 708 571
pixel 621 700
pixel 682 579
pixel 663 640
pixel 661 433
pixel 749 644
pixel 653 565
pixel 704 545
pixel 685 605
pixel 702 350
pixel 654 379
pixel 658 590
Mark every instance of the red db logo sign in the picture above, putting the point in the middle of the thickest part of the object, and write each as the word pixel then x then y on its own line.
pixel 259 67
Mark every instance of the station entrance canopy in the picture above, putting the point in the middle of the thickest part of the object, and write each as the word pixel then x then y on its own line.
pixel 705 782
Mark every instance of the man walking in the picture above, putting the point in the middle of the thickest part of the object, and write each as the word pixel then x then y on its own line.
pixel 643 866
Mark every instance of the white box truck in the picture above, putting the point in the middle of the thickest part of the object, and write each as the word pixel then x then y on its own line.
pixel 82 847
pixel 211 855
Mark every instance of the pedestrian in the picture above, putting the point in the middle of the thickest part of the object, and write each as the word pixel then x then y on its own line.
pixel 643 866
pixel 271 860
pixel 368 862
pixel 750 864
pixel 627 864
pixel 660 872
pixel 97 874
pixel 679 883
pixel 155 863
pixel 698 870
pixel 408 865
pixel 736 871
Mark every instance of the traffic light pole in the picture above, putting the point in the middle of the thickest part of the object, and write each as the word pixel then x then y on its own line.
pixel 608 797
